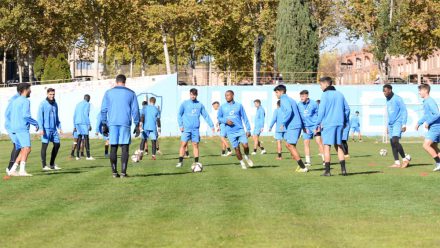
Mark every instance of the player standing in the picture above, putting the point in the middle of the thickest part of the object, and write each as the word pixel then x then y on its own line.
pixel 333 116
pixel 232 115
pixel 82 125
pixel 98 130
pixel 291 124
pixel 355 126
pixel 431 119
pixel 149 123
pixel 119 107
pixel 258 127
pixel 20 120
pixel 75 143
pixel 49 122
pixel 277 117
pixel 221 129
pixel 397 117
pixel 309 113
pixel 189 124
pixel 14 152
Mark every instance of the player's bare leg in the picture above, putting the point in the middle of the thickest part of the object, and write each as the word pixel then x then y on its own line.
pixel 225 146
pixel 295 155
pixel 318 140
pixel 21 159
pixel 246 155
pixel 196 152
pixel 75 142
pixel 279 150
pixel 307 153
pixel 183 147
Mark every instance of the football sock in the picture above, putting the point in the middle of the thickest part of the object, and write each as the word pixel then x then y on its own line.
pixel 124 159
pixel 342 162
pixel 55 149
pixel 196 159
pixel 12 162
pixel 87 145
pixel 223 152
pixel 279 154
pixel 114 158
pixel 43 153
pixel 397 162
pixel 153 147
pixel 437 159
pixel 78 145
pixel 262 148
pixel 142 145
pixel 394 144
pixel 301 164
pixel 22 167
pixel 327 167
pixel 229 149
pixel 187 153
pixel 180 159
pixel 14 167
pixel 308 159
pixel 106 149
pixel 255 150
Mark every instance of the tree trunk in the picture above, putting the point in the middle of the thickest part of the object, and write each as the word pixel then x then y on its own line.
pixel 72 61
pixel 104 59
pixel 419 67
pixel 165 52
pixel 31 65
pixel 143 64
pixel 20 66
pixel 96 57
pixel 176 65
pixel 5 51
pixel 131 66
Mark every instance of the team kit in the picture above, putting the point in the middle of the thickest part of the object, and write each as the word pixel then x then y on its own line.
pixel 327 121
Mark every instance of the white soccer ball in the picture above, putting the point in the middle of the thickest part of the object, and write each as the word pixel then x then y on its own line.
pixel 383 152
pixel 136 156
pixel 197 167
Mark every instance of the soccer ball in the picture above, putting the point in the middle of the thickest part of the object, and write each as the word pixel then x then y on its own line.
pixel 383 152
pixel 197 167
pixel 136 156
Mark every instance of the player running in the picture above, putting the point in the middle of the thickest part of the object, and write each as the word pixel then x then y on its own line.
pixel 98 131
pixel 14 152
pixel 333 116
pixel 355 126
pixel 277 118
pixel 431 119
pixel 119 107
pixel 20 120
pixel 397 117
pixel 82 125
pixel 49 122
pixel 291 125
pixel 189 124
pixel 258 127
pixel 149 124
pixel 309 113
pixel 221 129
pixel 232 115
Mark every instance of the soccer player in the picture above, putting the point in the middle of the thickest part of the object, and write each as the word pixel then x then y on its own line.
pixel 119 107
pixel 333 116
pixel 188 119
pixel 258 127
pixel 98 130
pixel 75 143
pixel 149 123
pixel 222 129
pixel 82 125
pixel 291 125
pixel 431 119
pixel 345 137
pixel 232 115
pixel 20 120
pixel 309 113
pixel 14 152
pixel 355 126
pixel 277 117
pixel 49 122
pixel 397 117
pixel 143 147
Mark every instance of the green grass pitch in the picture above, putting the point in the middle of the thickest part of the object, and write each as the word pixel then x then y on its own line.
pixel 225 206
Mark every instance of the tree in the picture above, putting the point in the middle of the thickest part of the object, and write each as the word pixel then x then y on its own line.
pixel 39 65
pixel 56 69
pixel 297 44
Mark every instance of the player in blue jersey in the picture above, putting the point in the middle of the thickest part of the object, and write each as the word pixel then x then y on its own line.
pixel 431 120
pixel 81 122
pixel 277 118
pixel 260 115
pixel 291 125
pixel 188 119
pixel 98 131
pixel 221 129
pixel 397 117
pixel 49 122
pixel 20 120
pixel 14 152
pixel 355 126
pixel 119 110
pixel 232 115
pixel 150 122
pixel 333 116
pixel 309 113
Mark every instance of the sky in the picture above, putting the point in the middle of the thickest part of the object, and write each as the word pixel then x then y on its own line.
pixel 342 44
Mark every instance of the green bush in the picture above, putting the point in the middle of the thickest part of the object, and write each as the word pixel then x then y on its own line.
pixel 56 69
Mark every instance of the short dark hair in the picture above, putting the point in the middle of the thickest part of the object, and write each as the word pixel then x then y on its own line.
pixel 304 92
pixel 50 90
pixel 193 91
pixel 281 88
pixel 388 86
pixel 153 99
pixel 279 103
pixel 144 103
pixel 87 97
pixel 216 102
pixel 328 80
pixel 257 100
pixel 121 78
pixel 357 112
pixel 425 87
pixel 230 91
pixel 22 87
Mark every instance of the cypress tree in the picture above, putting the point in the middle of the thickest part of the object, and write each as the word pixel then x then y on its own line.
pixel 297 44
pixel 56 68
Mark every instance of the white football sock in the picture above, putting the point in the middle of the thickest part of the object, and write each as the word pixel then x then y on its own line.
pixel 397 162
pixel 246 157
pixel 308 159
pixel 22 166
pixel 14 167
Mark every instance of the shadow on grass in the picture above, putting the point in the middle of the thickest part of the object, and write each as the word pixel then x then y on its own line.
pixel 361 156
pixel 54 173
pixel 264 166
pixel 161 174
pixel 363 173
pixel 415 165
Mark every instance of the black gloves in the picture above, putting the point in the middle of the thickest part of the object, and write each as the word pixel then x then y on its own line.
pixel 137 131
pixel 105 130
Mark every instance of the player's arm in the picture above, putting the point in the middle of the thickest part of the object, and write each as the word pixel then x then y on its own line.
pixel 286 108
pixel 296 113
pixel 435 115
pixel 346 113
pixel 40 115
pixel 321 111
pixel 58 122
pixel 206 117
pixel 274 119
pixel 27 115
pixel 245 119
pixel 87 111
pixel 404 111
pixel 220 117
pixel 104 109
pixel 261 119
pixel 180 116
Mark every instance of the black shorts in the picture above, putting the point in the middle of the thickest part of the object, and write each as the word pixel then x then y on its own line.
pixel 317 134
